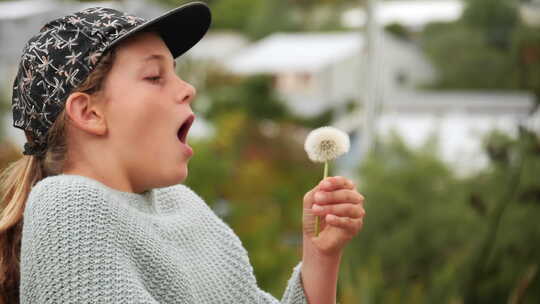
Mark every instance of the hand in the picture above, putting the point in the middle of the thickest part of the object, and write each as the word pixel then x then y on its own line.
pixel 341 214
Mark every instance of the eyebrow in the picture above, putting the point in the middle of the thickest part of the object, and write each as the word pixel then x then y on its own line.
pixel 159 58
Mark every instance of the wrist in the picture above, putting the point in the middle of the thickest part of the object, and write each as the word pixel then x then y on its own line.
pixel 310 254
pixel 310 249
pixel 320 274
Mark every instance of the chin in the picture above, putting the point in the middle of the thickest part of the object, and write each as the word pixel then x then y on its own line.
pixel 182 179
pixel 174 173
pixel 181 176
pixel 168 178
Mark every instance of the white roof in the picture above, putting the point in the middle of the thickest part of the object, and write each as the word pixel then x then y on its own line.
pixel 25 8
pixel 218 46
pixel 413 14
pixel 459 118
pixel 295 52
pixel 482 102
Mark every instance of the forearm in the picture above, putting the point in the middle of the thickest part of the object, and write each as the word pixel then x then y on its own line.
pixel 319 275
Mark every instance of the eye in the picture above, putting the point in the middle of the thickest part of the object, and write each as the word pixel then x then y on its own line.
pixel 154 79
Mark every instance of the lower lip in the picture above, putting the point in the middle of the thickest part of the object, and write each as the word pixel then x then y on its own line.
pixel 188 150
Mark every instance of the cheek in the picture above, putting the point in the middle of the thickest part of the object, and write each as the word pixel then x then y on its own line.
pixel 129 119
pixel 146 127
pixel 141 123
pixel 139 116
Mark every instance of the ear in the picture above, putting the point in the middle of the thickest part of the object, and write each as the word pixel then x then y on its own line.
pixel 85 114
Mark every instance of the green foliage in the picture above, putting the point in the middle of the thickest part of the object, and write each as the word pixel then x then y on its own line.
pixel 258 18
pixel 464 60
pixel 398 30
pixel 233 14
pixel 509 191
pixel 417 219
pixel 255 18
pixel 322 119
pixel 526 50
pixel 270 16
pixel 495 18
pixel 480 51
pixel 254 95
pixel 431 237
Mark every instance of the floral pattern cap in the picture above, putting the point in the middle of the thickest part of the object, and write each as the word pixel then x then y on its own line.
pixel 66 50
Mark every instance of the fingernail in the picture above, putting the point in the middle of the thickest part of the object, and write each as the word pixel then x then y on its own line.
pixel 326 184
pixel 319 196
pixel 317 208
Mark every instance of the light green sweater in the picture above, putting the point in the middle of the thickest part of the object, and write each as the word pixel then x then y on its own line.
pixel 84 242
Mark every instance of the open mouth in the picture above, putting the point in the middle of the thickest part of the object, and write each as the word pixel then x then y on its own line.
pixel 184 128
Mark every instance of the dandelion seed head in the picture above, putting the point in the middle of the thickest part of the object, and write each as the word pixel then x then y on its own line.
pixel 326 143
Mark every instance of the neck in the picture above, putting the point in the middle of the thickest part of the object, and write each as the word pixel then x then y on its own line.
pixel 105 171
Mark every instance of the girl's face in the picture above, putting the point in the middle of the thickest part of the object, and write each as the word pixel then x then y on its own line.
pixel 148 113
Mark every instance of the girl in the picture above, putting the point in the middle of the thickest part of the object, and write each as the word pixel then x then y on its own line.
pixel 95 211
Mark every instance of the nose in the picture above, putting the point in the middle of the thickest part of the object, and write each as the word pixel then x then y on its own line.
pixel 186 91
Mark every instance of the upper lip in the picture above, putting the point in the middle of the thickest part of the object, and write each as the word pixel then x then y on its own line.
pixel 184 128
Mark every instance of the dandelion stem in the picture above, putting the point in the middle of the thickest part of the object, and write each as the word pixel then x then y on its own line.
pixel 317 219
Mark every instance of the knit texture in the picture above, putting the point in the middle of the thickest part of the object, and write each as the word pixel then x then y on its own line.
pixel 84 242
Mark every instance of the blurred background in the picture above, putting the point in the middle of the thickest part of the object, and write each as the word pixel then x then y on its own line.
pixel 440 99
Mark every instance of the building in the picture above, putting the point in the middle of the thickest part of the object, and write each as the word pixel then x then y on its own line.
pixel 529 11
pixel 218 46
pixel 459 119
pixel 315 72
pixel 412 14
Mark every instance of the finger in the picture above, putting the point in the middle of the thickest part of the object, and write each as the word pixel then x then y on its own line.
pixel 337 196
pixel 351 226
pixel 342 210
pixel 336 182
pixel 308 200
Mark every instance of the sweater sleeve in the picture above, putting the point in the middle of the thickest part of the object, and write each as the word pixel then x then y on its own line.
pixel 68 252
pixel 294 293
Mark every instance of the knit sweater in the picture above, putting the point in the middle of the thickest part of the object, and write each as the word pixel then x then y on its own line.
pixel 83 242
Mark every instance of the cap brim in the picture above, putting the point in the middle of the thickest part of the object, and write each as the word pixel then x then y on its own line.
pixel 180 28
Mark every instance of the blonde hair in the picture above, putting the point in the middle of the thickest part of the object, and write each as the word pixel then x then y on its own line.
pixel 20 176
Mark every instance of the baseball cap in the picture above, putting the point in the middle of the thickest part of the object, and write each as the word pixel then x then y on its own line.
pixel 66 50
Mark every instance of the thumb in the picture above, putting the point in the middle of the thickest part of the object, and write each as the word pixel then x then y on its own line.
pixel 309 197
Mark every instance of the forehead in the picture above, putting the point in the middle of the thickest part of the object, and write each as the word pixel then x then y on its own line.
pixel 143 45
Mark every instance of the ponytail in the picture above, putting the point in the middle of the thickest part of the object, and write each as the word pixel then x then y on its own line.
pixel 16 182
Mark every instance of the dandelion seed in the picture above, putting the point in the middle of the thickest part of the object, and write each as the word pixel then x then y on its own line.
pixel 326 143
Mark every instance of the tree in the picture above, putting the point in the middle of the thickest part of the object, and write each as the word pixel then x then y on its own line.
pixel 464 60
pixel 496 19
pixel 417 227
pixel 526 51
pixel 508 250
pixel 432 237
pixel 475 52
